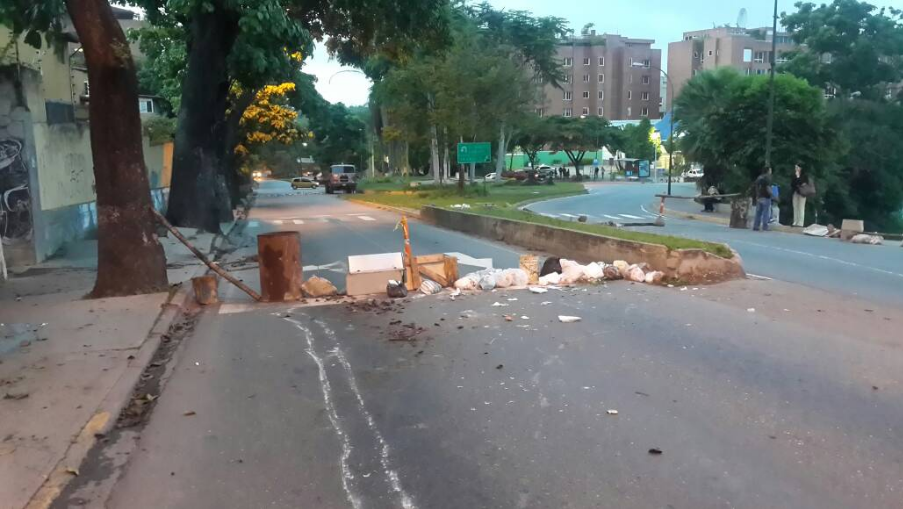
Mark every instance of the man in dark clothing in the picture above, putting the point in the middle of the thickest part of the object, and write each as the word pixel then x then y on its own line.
pixel 762 193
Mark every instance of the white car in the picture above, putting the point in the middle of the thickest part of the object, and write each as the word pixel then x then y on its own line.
pixel 694 174
pixel 491 176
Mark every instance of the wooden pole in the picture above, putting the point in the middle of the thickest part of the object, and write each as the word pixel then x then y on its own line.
pixel 281 275
pixel 410 261
pixel 213 266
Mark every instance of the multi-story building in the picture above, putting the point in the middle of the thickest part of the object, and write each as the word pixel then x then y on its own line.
pixel 608 76
pixel 747 50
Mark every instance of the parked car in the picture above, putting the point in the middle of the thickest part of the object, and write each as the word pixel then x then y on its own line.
pixel 341 176
pixel 517 175
pixel 304 183
pixel 491 176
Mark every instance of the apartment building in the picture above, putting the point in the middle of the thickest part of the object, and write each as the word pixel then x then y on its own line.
pixel 747 50
pixel 606 75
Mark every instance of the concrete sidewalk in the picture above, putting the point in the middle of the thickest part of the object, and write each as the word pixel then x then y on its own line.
pixel 68 365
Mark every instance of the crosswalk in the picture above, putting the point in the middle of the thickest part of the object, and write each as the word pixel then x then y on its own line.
pixel 326 218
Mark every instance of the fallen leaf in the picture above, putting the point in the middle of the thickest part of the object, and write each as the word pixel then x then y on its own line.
pixel 71 470
pixel 190 413
pixel 655 452
pixel 509 318
pixel 150 397
pixel 500 366
pixel 16 395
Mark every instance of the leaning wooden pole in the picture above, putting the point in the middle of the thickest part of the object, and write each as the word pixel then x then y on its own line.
pixel 213 266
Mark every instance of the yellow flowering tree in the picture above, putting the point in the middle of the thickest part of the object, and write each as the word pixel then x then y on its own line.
pixel 269 119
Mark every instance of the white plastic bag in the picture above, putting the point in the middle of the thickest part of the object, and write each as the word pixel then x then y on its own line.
pixel 654 277
pixel 864 238
pixel 567 263
pixel 593 271
pixel 430 287
pixel 512 278
pixel 636 274
pixel 571 275
pixel 468 282
pixel 553 278
pixel 488 282
pixel 622 266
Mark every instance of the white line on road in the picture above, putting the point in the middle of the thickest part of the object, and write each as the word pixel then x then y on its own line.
pixel 567 215
pixel 277 221
pixel 253 224
pixel 366 218
pixel 612 217
pixel 297 221
pixel 821 257
pixel 628 216
pixel 326 389
pixel 484 263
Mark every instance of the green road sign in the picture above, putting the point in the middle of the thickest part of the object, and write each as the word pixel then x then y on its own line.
pixel 474 153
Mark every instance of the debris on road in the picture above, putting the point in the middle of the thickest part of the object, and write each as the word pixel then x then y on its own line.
pixel 72 470
pixel 612 412
pixel 568 319
pixel 552 265
pixel 16 395
pixel 636 274
pixel 530 265
pixel 189 413
pixel 751 310
pixel 537 289
pixel 396 290
pixel 816 230
pixel 316 287
pixel 655 452
pixel 430 287
pixel 864 238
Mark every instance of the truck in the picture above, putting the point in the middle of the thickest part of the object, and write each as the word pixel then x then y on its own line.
pixel 340 176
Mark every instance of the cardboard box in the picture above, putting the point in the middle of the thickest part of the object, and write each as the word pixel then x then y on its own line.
pixel 851 227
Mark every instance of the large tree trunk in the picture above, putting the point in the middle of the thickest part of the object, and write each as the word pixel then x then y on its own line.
pixel 130 259
pixel 199 197
pixel 500 152
pixel 435 163
pixel 230 140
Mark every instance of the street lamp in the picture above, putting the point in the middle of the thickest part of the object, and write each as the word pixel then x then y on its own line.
pixel 670 115
pixel 770 122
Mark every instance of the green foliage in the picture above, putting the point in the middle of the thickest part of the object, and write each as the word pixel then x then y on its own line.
pixel 722 118
pixel 577 136
pixel 159 129
pixel 533 134
pixel 864 44
pixel 162 70
pixel 637 140
pixel 47 17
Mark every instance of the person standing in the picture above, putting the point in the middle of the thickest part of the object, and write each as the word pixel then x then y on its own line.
pixel 762 192
pixel 799 199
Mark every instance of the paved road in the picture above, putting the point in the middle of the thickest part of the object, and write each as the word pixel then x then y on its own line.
pixel 872 272
pixel 324 406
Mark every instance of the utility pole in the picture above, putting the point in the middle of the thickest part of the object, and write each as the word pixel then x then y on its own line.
pixel 769 135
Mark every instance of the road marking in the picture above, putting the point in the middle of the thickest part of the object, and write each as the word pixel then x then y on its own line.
pixel 277 221
pixel 628 216
pixel 612 217
pixel 253 224
pixel 366 218
pixel 326 389
pixel 567 215
pixel 484 263
pixel 297 221
pixel 339 267
pixel 822 257
pixel 757 277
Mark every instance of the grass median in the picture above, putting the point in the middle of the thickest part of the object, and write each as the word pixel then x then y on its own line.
pixel 502 199
pixel 497 194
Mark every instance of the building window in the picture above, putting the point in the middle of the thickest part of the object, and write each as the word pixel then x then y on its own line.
pixel 568 112
pixel 647 63
pixel 661 102
pixel 695 54
pixel 585 61
pixel 601 61
pixel 747 55
pixel 540 112
pixel 630 62
pixel 586 94
pixel 586 78
pixel 759 57
pixel 568 61
pixel 600 111
pixel 630 78
pixel 645 80
pixel 629 95
pixel 629 111
pixel 645 112
pixel 601 95
pixel 586 111
pixel 87 90
pixel 645 96
pixel 146 106
pixel 567 78
pixel 568 96
pixel 710 52
pixel 782 58
pixel 830 92
pixel 760 72
pixel 601 78
pixel 749 71
pixel 695 72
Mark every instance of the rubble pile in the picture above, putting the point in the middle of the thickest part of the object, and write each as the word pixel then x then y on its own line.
pixel 560 271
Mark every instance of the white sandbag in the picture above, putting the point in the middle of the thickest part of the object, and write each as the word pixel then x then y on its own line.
pixel 512 278
pixel 622 266
pixel 816 230
pixel 571 275
pixel 864 238
pixel 593 271
pixel 550 279
pixel 636 274
pixel 654 277
pixel 430 287
pixel 567 263
pixel 488 282
pixel 468 282
pixel 611 273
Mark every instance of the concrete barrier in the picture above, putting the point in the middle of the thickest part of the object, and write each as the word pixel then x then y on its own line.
pixel 691 265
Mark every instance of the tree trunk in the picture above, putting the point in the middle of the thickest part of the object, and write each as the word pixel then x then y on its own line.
pixel 446 161
pixel 130 259
pixel 500 153
pixel 435 164
pixel 199 197
pixel 232 130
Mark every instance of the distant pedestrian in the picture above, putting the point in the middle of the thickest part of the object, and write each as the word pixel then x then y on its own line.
pixel 799 185
pixel 762 193
pixel 596 173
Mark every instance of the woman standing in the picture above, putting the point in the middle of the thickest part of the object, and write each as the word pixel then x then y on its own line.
pixel 799 197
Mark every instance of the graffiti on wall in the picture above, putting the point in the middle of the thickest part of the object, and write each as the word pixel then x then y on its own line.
pixel 15 200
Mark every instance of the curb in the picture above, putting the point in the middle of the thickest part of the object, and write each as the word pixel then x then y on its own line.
pixel 725 222
pixel 400 210
pixel 107 413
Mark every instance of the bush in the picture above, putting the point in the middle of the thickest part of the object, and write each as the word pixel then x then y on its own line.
pixel 159 129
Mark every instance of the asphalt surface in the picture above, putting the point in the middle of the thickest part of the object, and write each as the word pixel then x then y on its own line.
pixel 871 272
pixel 758 394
